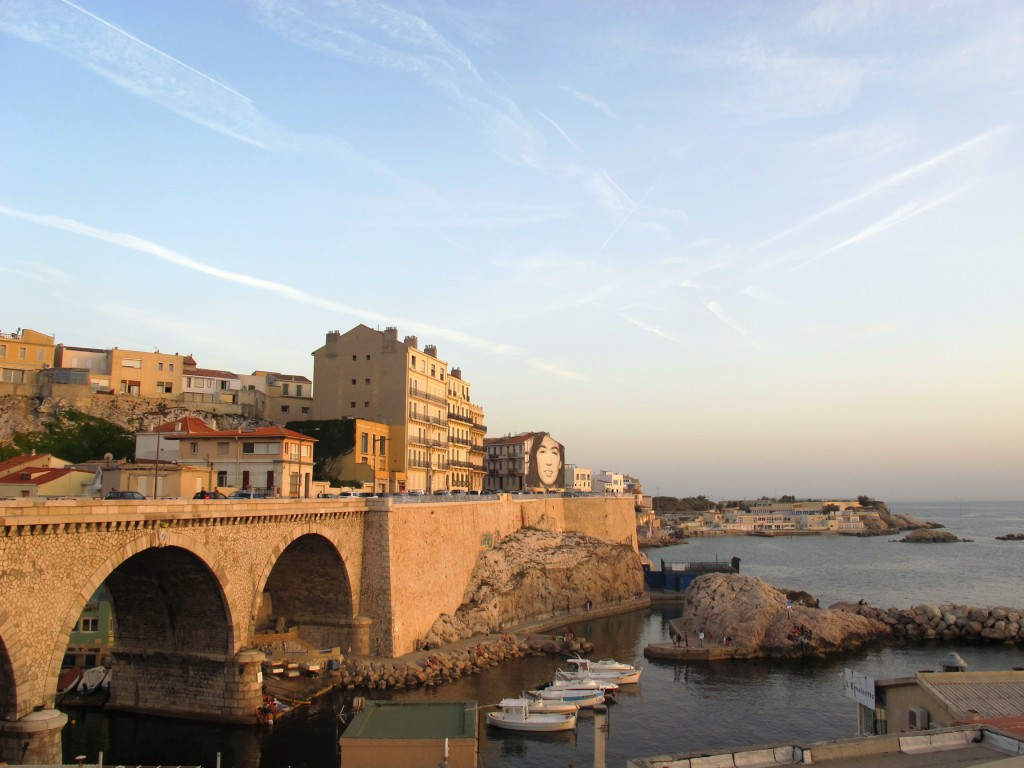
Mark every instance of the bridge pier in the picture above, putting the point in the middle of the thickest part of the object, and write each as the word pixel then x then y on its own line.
pixel 194 686
pixel 33 740
pixel 351 633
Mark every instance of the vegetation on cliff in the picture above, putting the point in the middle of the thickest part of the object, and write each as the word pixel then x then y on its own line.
pixel 73 436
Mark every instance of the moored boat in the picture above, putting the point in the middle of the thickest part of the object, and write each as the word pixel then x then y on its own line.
pixel 579 696
pixel 586 682
pixel 515 715
pixel 68 680
pixel 619 678
pixel 551 706
pixel 92 678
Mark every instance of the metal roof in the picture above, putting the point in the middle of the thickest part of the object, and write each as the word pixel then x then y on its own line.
pixel 973 695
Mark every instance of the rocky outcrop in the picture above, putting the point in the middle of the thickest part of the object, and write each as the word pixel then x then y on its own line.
pixel 756 619
pixel 945 622
pixel 930 536
pixel 1011 537
pixel 534 574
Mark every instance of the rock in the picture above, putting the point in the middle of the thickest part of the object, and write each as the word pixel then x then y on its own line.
pixel 929 536
pixel 755 616
pixel 1011 537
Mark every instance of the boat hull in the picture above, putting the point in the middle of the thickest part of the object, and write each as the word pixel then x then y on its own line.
pixel 536 723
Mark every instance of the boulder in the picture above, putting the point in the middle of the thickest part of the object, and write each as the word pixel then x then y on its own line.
pixel 929 536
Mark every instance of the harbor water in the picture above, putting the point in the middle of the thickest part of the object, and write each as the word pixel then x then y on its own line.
pixel 677 707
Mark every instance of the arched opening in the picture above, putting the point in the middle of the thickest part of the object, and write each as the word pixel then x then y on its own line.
pixel 166 600
pixel 308 596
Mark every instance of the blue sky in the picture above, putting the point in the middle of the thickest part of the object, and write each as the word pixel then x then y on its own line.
pixel 732 248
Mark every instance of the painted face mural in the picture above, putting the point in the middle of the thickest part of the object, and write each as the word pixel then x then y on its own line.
pixel 547 462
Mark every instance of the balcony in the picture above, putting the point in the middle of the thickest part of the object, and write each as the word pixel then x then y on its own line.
pixel 460 417
pixel 460 441
pixel 438 421
pixel 477 448
pixel 417 416
pixel 424 395
pixel 478 427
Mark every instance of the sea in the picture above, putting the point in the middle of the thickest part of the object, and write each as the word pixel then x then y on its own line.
pixel 677 707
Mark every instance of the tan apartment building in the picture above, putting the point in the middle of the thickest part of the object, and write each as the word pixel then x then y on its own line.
pixel 22 353
pixel 288 397
pixel 370 457
pixel 126 371
pixel 371 375
pixel 466 432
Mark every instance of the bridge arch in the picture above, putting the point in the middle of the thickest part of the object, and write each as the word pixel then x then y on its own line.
pixel 306 586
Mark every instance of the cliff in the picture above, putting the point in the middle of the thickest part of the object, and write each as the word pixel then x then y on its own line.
pixel 532 574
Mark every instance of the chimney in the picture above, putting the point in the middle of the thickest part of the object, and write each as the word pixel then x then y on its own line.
pixel 431 349
pixel 412 341
pixel 455 373
pixel 391 333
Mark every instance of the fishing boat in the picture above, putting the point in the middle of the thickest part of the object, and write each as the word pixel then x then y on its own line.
pixel 92 678
pixel 584 682
pixel 515 715
pixel 581 697
pixel 612 671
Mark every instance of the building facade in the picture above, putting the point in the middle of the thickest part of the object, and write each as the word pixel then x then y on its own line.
pixel 23 352
pixel 527 462
pixel 371 375
pixel 578 478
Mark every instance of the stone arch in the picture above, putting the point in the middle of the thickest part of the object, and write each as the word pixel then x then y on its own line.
pixel 162 586
pixel 307 583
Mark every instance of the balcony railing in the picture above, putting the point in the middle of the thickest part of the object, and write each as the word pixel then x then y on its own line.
pixel 460 417
pixel 460 441
pixel 417 416
pixel 478 427
pixel 424 395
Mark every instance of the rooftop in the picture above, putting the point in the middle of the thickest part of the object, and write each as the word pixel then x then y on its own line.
pixel 433 720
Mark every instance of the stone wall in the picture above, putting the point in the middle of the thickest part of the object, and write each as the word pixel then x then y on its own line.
pixel 947 622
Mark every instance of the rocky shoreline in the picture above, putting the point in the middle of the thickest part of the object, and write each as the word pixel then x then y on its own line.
pixel 744 617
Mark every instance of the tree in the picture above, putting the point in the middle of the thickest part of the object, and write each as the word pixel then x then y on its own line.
pixel 76 437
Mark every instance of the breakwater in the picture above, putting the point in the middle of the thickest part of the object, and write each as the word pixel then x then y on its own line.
pixel 947 622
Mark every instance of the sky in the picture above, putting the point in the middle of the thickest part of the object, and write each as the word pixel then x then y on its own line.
pixel 736 249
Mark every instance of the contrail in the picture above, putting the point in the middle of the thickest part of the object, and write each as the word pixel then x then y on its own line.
pixel 157 51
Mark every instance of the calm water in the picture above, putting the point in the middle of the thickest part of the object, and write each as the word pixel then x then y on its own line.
pixel 677 707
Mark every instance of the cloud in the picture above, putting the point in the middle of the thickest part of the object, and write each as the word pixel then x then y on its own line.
pixel 625 314
pixel 971 145
pixel 599 105
pixel 555 370
pixel 130 63
pixel 718 311
pixel 392 39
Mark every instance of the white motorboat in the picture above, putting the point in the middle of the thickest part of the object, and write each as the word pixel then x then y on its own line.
pixel 92 678
pixel 587 682
pixel 579 696
pixel 515 715
pixel 621 672
pixel 310 667
pixel 619 678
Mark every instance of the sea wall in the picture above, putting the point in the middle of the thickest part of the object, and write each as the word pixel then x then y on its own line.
pixel 947 621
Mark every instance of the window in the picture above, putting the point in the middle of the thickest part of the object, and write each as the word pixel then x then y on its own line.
pixel 433 371
pixel 305 409
pixel 21 353
pixel 41 355
pixel 222 449
pixel 366 404
pixel 164 386
pixel 353 382
pixel 367 357
pixel 298 390
pixel 353 358
pixel 380 442
pixel 363 442
pixel 159 366
pixel 188 382
pixel 222 477
pixel 89 624
pixel 285 389
pixel 224 384
pixel 170 366
pixel 194 448
pixel 3 350
pixel 248 447
pixel 284 409
pixel 352 405
pixel 131 362
pixel 367 381
pixel 412 363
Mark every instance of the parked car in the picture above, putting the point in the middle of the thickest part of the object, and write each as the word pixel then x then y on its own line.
pixel 240 494
pixel 122 495
pixel 209 495
pixel 417 492
pixel 348 495
pixel 442 493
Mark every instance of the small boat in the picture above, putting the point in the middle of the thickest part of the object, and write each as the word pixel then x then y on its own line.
pixel 604 665
pixel 619 678
pixel 91 680
pixel 105 685
pixel 515 715
pixel 580 697
pixel 551 706
pixel 310 667
pixel 586 683
pixel 68 680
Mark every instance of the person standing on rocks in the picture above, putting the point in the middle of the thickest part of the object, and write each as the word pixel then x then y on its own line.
pixel 700 637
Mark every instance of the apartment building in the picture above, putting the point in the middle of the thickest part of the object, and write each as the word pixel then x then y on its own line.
pixel 286 396
pixel 529 461
pixel 126 371
pixel 466 432
pixel 578 478
pixel 22 353
pixel 371 375
pixel 608 482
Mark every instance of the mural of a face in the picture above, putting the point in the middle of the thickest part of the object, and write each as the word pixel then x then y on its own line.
pixel 548 462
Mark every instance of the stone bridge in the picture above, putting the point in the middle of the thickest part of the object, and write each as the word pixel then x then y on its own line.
pixel 191 583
